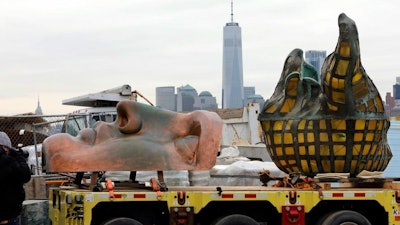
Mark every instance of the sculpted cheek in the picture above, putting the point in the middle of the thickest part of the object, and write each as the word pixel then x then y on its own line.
pixel 128 120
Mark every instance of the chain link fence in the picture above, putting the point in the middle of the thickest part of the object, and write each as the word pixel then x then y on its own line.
pixel 28 132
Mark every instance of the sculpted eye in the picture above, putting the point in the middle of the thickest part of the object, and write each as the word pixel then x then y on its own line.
pixel 87 135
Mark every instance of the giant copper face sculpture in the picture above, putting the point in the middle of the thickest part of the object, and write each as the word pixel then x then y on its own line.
pixel 336 125
pixel 143 137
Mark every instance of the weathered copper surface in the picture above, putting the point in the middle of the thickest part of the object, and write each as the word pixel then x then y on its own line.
pixel 337 125
pixel 143 137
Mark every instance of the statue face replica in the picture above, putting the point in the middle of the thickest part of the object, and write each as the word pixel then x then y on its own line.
pixel 143 137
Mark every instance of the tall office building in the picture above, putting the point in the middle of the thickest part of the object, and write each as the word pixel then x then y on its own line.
pixel 250 96
pixel 205 101
pixel 316 58
pixel 232 66
pixel 38 110
pixel 185 98
pixel 396 93
pixel 393 102
pixel 249 91
pixel 255 99
pixel 166 98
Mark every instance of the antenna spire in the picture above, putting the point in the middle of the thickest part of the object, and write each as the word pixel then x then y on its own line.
pixel 232 11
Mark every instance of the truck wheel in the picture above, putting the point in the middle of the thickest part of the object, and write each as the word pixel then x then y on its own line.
pixel 237 219
pixel 346 217
pixel 122 221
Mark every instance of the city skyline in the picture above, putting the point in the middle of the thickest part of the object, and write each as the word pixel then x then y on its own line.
pixel 187 98
pixel 57 50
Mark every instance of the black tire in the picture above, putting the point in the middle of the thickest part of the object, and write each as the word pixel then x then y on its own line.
pixel 346 217
pixel 237 219
pixel 122 221
pixel 322 219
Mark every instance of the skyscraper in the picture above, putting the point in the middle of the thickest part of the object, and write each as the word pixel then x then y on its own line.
pixel 249 91
pixel 250 96
pixel 185 98
pixel 166 98
pixel 205 100
pixel 316 58
pixel 38 110
pixel 396 92
pixel 232 66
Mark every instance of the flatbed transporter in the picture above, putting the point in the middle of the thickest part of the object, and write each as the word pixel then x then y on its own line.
pixel 126 204
pixel 370 200
pixel 298 201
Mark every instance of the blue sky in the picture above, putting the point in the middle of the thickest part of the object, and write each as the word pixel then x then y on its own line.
pixel 54 50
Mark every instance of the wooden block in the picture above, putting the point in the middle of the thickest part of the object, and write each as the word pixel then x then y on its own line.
pixel 35 189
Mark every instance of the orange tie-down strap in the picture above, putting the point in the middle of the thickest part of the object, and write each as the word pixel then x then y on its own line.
pixel 110 188
pixel 158 186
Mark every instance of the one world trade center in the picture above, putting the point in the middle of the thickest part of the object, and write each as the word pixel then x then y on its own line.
pixel 232 71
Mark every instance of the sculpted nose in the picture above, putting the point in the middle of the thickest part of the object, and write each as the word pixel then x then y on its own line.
pixel 128 120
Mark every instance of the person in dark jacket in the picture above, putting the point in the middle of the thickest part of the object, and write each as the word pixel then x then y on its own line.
pixel 14 172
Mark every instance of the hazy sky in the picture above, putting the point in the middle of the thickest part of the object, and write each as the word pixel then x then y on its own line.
pixel 56 49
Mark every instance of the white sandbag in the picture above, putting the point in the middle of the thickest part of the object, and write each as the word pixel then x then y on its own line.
pixel 231 151
pixel 242 173
pixel 230 155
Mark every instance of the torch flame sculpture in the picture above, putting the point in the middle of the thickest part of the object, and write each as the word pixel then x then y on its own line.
pixel 337 125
